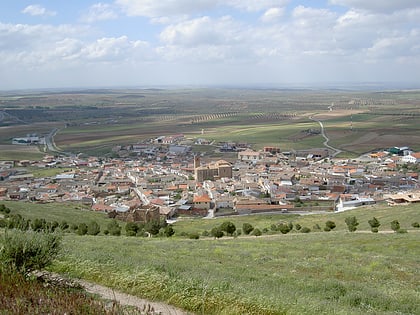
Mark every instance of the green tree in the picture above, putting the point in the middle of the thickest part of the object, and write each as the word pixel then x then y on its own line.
pixel 374 224
pixel 153 227
pixel 131 229
pixel 284 228
pixel 330 224
pixel 228 227
pixel 169 231
pixel 351 223
pixel 216 232
pixel 82 229
pixel 93 228
pixel 395 225
pixel 114 228
pixel 247 228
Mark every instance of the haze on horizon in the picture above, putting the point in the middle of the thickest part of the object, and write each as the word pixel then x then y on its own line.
pixel 53 44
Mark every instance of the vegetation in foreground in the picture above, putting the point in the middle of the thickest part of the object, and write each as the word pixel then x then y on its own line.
pixel 340 272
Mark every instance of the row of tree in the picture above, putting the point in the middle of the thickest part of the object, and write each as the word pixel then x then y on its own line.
pixel 16 221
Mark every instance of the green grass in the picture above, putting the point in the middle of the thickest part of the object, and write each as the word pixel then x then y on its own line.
pixel 75 213
pixel 318 273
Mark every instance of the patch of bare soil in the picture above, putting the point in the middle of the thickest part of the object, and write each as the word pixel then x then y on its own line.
pixel 130 300
pixel 144 306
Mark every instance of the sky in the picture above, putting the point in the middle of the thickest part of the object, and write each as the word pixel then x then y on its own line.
pixel 134 43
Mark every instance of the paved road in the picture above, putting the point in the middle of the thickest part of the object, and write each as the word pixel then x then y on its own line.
pixel 325 143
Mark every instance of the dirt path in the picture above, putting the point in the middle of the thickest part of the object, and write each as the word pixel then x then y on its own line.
pixel 146 306
pixel 131 300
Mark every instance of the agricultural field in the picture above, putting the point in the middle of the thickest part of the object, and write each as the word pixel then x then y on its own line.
pixel 336 272
pixel 93 121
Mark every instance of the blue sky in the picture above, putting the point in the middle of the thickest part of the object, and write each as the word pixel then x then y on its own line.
pixel 61 43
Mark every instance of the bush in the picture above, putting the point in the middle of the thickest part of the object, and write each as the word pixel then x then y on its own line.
pixel 131 229
pixel 247 228
pixel 401 231
pixel 395 225
pixel 351 223
pixel 24 251
pixel 298 226
pixel 114 228
pixel 228 227
pixel 284 228
pixel 374 223
pixel 415 225
pixel 374 230
pixel 205 233
pixel 330 224
pixel 93 228
pixel 169 231
pixel 327 229
pixel 216 232
pixel 194 236
pixel 305 229
pixel 256 232
pixel 82 229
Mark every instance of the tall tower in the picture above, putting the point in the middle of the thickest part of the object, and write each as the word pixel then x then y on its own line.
pixel 196 161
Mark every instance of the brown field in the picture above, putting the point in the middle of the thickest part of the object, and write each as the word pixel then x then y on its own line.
pixel 360 121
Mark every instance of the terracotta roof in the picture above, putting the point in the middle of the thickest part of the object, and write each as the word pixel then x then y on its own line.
pixel 203 198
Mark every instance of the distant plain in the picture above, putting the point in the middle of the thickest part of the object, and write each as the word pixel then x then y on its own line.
pixel 93 121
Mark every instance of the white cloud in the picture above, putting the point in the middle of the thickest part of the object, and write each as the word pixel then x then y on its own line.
pixel 100 12
pixel 272 15
pixel 201 31
pixel 164 8
pixel 378 5
pixel 255 6
pixel 37 10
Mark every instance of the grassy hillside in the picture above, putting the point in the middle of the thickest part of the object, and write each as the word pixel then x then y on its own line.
pixel 317 273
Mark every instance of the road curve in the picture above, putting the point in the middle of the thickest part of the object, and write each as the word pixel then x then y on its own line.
pixel 325 143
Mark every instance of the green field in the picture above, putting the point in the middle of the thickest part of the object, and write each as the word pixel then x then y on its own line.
pixel 316 273
pixel 93 121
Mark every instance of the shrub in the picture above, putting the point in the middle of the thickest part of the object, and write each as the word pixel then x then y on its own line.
pixel 194 236
pixel 38 225
pixel 216 232
pixel 415 225
pixel 114 228
pixel 205 233
pixel 374 230
pixel 247 228
pixel 395 225
pixel 298 226
pixel 131 229
pixel 169 231
pixel 330 224
pixel 228 227
pixel 284 228
pixel 327 229
pixel 351 223
pixel 24 251
pixel 82 229
pixel 305 229
pixel 401 231
pixel 374 223
pixel 64 225
pixel 256 232
pixel 93 228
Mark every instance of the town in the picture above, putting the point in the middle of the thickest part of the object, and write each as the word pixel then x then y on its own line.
pixel 167 179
